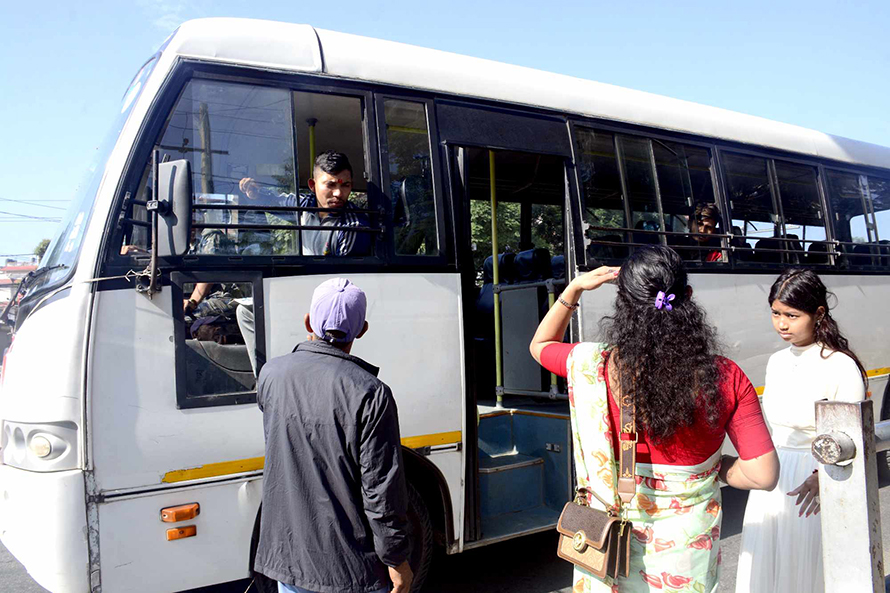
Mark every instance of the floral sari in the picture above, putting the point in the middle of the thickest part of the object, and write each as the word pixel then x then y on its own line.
pixel 676 513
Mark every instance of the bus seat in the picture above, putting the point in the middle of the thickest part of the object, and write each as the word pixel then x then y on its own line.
pixel 765 251
pixel 738 240
pixel 506 269
pixel 793 243
pixel 884 250
pixel 558 265
pixel 817 253
pixel 532 265
pixel 858 253
pixel 414 215
pixel 213 368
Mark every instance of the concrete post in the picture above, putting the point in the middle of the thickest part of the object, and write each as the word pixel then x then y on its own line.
pixel 851 513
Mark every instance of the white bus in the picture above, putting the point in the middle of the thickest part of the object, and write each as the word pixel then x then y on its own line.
pixel 131 442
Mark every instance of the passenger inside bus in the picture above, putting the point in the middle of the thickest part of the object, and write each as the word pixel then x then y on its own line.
pixel 331 184
pixel 704 221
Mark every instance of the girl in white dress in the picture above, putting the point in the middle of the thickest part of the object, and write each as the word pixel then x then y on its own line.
pixel 781 549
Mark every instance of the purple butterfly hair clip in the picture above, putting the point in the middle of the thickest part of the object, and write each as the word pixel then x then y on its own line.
pixel 663 301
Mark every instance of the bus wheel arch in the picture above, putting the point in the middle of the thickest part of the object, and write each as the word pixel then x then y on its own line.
pixel 429 482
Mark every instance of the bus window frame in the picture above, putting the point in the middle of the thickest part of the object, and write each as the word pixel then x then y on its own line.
pixel 156 122
pixel 871 219
pixel 441 205
pixel 663 234
pixel 184 401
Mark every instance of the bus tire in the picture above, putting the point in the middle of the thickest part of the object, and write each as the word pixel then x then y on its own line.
pixel 260 583
pixel 421 528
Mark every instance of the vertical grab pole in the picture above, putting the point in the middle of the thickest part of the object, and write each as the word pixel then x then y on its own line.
pixel 551 298
pixel 312 121
pixel 498 363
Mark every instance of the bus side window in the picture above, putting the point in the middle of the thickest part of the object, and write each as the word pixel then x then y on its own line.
pixel 602 195
pixel 851 217
pixel 410 178
pixel 801 210
pixel 879 194
pixel 751 205
pixel 219 337
pixel 684 182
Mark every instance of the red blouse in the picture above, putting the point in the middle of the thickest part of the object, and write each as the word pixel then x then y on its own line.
pixel 742 419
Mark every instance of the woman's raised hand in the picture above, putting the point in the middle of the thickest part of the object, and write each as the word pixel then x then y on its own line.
pixel 596 278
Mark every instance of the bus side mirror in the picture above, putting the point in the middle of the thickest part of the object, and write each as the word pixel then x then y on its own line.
pixel 174 205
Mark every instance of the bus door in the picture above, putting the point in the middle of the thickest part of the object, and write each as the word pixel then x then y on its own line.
pixel 511 168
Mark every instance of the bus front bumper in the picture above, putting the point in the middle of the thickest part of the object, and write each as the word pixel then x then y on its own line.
pixel 43 524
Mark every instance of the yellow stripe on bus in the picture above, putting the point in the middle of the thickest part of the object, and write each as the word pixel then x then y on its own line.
pixel 431 440
pixel 225 468
pixel 212 470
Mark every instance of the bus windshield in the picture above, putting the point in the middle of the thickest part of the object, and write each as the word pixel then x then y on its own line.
pixel 63 251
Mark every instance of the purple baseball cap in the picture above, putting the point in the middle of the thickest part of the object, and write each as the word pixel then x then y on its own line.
pixel 337 305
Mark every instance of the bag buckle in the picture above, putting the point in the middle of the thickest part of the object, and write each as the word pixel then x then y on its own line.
pixel 579 541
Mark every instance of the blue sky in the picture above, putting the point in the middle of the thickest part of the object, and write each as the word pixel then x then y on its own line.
pixel 818 63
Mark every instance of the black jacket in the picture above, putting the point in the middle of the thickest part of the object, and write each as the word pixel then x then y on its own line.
pixel 334 497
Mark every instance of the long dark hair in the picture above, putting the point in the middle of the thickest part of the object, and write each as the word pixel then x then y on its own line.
pixel 803 290
pixel 666 358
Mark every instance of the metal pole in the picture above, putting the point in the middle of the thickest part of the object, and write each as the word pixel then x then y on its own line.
pixel 551 298
pixel 498 362
pixel 312 121
pixel 851 514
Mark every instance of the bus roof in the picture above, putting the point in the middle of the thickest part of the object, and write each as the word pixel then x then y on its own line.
pixel 302 48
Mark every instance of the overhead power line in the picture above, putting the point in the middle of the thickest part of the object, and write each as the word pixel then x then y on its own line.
pixel 31 203
pixel 29 216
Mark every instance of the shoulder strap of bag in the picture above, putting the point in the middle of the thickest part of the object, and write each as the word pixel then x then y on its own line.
pixel 627 439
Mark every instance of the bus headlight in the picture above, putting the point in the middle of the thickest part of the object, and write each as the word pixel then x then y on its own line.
pixel 40 446
pixel 44 446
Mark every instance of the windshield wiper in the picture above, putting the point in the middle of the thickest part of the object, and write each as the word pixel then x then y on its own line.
pixel 26 281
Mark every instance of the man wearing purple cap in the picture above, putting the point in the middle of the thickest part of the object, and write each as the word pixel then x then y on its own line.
pixel 335 503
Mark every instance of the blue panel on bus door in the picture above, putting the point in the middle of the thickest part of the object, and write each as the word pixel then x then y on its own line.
pixel 509 483
pixel 496 434
pixel 540 436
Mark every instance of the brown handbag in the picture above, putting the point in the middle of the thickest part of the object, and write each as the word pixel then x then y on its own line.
pixel 599 540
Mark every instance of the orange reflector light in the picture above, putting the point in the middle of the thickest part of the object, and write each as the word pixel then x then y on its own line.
pixel 183 512
pixel 181 532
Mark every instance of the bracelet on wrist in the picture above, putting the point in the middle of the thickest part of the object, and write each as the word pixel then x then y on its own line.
pixel 566 304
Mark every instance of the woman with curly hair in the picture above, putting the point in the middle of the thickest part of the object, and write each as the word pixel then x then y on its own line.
pixel 781 544
pixel 660 350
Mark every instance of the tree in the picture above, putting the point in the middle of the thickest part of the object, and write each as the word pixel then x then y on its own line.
pixel 41 248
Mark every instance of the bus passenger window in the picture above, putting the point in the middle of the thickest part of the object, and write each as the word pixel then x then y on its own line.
pixel 331 124
pixel 687 200
pixel 802 214
pixel 641 190
pixel 410 178
pixel 751 203
pixel 602 195
pixel 879 195
pixel 220 339
pixel 230 132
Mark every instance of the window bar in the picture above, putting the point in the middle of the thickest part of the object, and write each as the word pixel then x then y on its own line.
pixel 619 156
pixel 498 362
pixel 654 169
